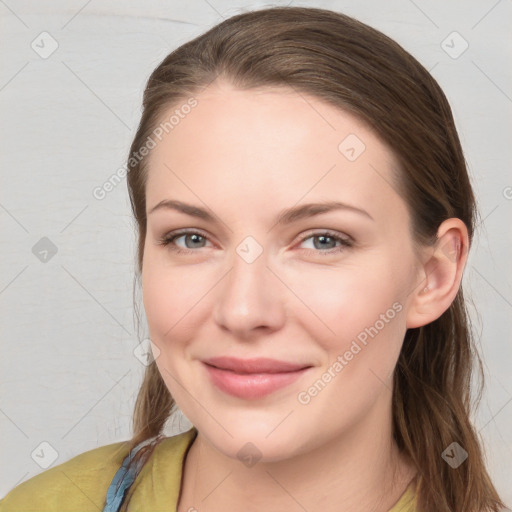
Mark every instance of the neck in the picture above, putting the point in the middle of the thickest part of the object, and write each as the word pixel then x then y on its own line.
pixel 359 469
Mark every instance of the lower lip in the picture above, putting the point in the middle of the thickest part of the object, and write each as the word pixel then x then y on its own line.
pixel 251 385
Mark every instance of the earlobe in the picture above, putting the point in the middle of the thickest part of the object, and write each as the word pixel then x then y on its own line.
pixel 441 274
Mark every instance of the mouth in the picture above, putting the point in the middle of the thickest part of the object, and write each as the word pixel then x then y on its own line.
pixel 252 378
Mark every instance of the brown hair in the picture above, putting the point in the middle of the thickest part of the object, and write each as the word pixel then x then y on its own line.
pixel 356 68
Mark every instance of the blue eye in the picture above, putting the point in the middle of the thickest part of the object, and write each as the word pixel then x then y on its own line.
pixel 168 240
pixel 328 236
pixel 198 238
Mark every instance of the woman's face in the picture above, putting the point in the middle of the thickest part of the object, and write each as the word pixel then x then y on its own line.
pixel 327 293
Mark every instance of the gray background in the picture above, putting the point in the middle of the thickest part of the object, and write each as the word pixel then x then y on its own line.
pixel 69 375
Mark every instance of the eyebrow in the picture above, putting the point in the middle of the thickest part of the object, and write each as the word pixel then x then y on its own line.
pixel 286 216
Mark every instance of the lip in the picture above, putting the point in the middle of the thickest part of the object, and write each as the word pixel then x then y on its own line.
pixel 252 378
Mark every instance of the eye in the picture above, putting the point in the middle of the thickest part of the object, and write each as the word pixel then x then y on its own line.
pixel 195 236
pixel 325 241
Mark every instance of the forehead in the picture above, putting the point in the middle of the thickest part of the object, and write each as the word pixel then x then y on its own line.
pixel 271 145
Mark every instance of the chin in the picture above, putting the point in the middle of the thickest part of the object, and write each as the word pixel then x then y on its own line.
pixel 250 449
pixel 254 439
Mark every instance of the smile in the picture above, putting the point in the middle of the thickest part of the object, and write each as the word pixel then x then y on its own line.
pixel 254 378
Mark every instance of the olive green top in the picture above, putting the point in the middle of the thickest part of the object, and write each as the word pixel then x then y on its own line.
pixel 81 483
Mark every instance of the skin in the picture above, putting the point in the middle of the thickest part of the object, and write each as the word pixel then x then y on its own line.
pixel 247 155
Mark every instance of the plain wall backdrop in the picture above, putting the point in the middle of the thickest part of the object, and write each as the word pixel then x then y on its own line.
pixel 71 80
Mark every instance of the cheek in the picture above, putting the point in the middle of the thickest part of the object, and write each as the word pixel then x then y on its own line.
pixel 163 296
pixel 168 297
pixel 346 300
pixel 158 301
pixel 159 288
pixel 363 309
pixel 173 297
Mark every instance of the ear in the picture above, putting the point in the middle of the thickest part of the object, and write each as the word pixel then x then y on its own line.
pixel 441 274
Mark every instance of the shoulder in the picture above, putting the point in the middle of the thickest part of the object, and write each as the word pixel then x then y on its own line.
pixel 78 484
pixel 158 484
pixel 81 483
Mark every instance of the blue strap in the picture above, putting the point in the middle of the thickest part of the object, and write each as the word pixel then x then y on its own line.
pixel 125 477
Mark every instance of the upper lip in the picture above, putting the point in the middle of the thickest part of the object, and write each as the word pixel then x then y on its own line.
pixel 255 365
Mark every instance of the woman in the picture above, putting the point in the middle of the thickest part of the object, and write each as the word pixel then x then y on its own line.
pixel 316 377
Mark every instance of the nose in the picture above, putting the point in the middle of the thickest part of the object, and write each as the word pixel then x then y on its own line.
pixel 250 298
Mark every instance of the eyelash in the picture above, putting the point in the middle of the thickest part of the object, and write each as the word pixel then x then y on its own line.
pixel 168 240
